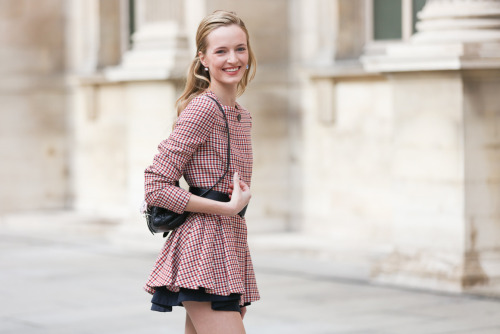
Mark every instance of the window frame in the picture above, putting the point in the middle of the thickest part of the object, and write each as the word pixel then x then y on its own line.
pixel 406 26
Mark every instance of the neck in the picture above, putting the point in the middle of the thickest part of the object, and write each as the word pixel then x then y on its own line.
pixel 227 95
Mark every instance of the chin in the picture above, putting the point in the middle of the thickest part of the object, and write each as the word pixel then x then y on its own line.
pixel 230 81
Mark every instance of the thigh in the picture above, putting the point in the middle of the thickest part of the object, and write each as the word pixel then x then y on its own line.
pixel 189 329
pixel 208 321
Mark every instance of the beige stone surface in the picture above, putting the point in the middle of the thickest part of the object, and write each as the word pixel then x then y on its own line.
pixel 347 185
pixel 33 132
pixel 482 171
pixel 131 119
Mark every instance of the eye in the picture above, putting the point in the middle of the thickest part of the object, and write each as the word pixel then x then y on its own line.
pixel 241 49
pixel 220 51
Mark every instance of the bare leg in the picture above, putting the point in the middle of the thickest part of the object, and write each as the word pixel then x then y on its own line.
pixel 189 325
pixel 208 321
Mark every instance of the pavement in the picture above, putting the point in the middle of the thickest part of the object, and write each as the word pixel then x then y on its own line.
pixel 58 277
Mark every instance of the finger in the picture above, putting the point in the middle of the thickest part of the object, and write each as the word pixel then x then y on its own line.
pixel 243 185
pixel 236 181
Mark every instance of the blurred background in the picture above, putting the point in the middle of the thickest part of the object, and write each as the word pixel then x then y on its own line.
pixel 376 127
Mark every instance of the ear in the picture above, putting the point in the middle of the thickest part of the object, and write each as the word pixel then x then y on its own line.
pixel 201 56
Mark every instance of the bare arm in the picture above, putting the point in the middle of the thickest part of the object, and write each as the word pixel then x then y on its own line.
pixel 239 199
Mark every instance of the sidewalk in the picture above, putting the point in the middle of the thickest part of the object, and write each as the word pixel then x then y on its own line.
pixel 73 282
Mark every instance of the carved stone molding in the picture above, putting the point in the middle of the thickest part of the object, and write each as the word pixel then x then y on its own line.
pixel 451 35
pixel 160 47
pixel 459 20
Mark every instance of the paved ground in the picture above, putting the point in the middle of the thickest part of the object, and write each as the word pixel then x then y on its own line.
pixel 78 284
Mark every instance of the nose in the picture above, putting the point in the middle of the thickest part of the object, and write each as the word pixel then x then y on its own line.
pixel 232 57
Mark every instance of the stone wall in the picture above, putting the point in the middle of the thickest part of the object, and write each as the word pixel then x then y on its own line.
pixel 427 167
pixel 33 112
pixel 445 150
pixel 482 174
pixel 347 161
pixel 117 129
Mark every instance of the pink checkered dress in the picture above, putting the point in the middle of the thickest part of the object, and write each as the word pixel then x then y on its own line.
pixel 209 251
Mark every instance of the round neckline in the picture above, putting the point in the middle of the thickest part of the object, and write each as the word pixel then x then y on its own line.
pixel 236 107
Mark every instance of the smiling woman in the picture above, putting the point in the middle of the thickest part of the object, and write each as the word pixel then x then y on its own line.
pixel 209 39
pixel 226 58
pixel 205 264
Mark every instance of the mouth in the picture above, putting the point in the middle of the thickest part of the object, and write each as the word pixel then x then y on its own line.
pixel 232 70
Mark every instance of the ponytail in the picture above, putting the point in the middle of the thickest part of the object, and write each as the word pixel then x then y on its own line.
pixel 198 80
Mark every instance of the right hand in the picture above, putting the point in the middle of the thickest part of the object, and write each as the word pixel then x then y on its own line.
pixel 240 195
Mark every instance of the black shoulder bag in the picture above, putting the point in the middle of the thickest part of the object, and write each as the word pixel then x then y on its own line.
pixel 163 220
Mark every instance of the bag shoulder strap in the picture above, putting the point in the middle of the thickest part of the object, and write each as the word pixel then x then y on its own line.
pixel 228 145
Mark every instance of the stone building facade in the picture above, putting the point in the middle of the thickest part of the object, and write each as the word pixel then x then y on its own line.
pixel 376 130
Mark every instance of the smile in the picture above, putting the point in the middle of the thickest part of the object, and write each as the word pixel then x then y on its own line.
pixel 232 69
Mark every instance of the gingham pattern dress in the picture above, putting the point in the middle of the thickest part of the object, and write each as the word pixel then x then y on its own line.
pixel 209 251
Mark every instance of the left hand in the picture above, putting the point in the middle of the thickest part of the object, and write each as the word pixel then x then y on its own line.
pixel 243 311
pixel 231 187
pixel 239 196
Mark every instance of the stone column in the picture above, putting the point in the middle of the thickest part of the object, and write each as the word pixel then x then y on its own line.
pixel 120 117
pixel 458 20
pixel 160 47
pixel 446 162
pixel 33 96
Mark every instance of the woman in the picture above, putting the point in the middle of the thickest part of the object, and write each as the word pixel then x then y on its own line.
pixel 205 264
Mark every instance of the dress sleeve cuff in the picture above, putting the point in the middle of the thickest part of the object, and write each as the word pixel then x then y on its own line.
pixel 174 199
pixel 179 199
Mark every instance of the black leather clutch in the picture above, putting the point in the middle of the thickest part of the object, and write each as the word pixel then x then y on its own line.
pixel 163 220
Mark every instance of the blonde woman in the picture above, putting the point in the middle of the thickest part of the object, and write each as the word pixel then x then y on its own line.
pixel 205 265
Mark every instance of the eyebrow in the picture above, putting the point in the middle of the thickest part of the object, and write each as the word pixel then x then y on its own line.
pixel 225 47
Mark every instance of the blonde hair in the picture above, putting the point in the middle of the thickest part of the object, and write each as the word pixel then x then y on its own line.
pixel 198 80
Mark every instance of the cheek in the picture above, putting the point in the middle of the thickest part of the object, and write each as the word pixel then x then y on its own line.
pixel 216 62
pixel 245 58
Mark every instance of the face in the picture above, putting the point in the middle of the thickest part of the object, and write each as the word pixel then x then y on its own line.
pixel 226 56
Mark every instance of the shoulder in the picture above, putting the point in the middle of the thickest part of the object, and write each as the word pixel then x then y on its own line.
pixel 201 105
pixel 200 110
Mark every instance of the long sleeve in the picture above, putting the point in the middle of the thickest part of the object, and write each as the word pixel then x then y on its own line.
pixel 192 129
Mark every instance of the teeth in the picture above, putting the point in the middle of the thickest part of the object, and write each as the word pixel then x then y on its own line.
pixel 232 69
